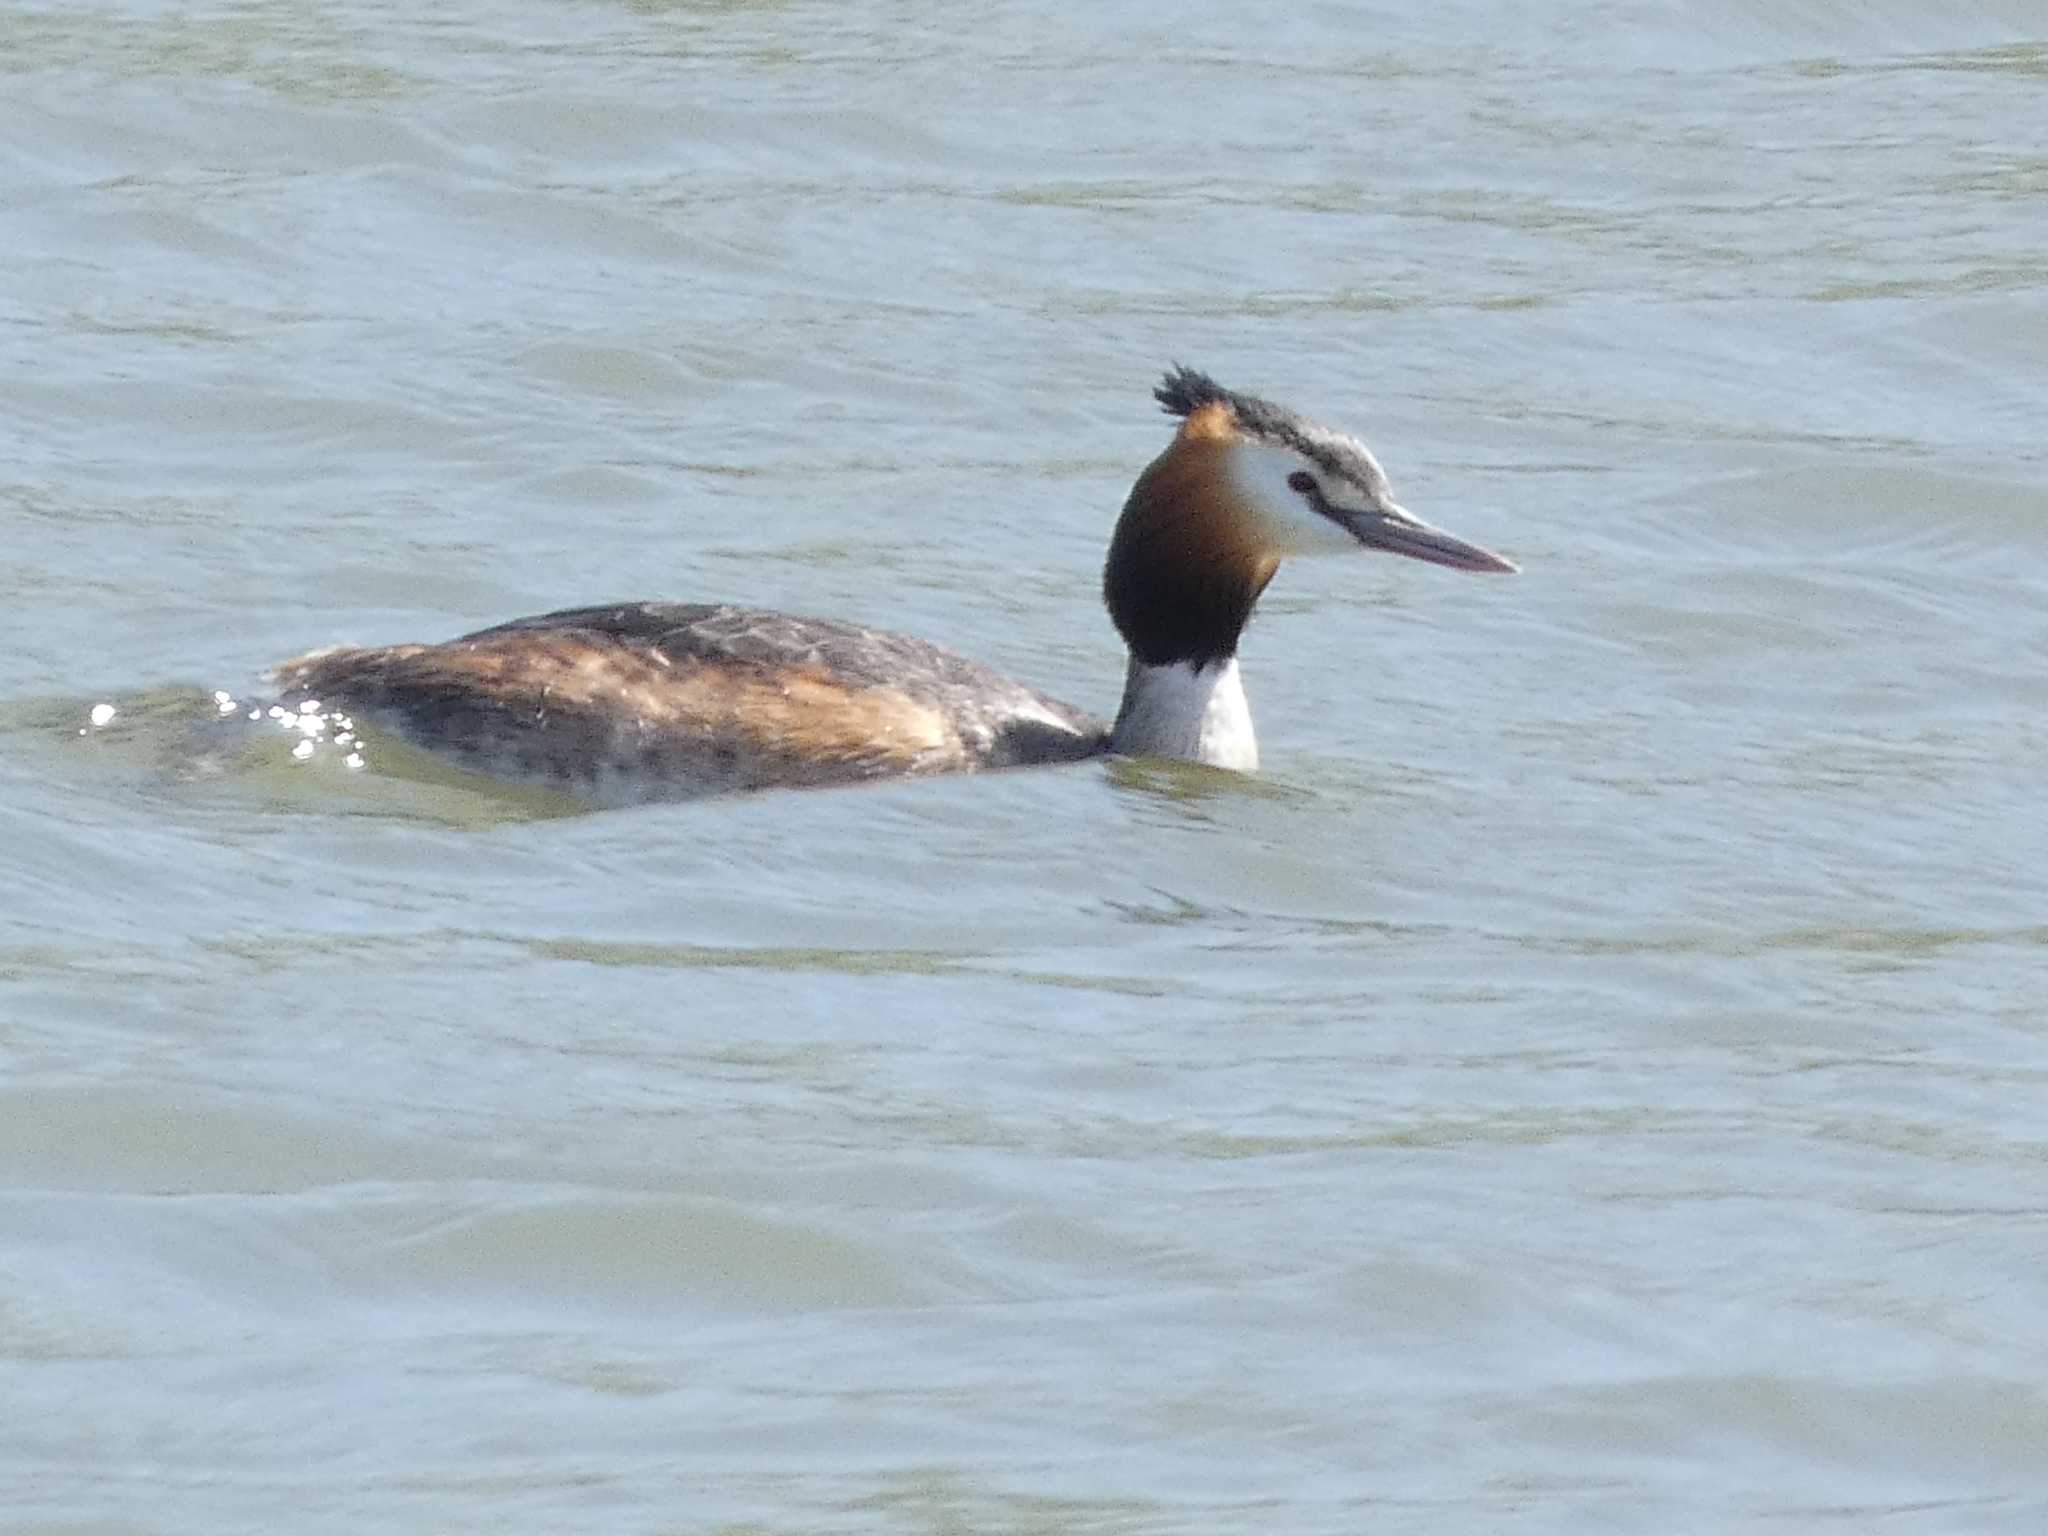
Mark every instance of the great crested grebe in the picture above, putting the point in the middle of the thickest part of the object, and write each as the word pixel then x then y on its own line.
pixel 667 701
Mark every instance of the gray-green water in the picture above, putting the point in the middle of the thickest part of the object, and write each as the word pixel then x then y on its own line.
pixel 1592 1081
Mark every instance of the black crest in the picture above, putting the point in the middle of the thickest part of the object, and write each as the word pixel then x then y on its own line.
pixel 1184 391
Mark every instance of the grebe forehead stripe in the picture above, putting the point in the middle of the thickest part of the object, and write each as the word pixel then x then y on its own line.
pixel 1184 391
pixel 1187 393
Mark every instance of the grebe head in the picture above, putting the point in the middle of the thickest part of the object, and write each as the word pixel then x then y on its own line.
pixel 1244 484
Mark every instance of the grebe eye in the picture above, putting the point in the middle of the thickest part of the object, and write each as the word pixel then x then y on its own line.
pixel 1301 480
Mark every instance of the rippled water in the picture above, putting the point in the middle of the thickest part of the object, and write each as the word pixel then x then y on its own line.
pixel 1590 1081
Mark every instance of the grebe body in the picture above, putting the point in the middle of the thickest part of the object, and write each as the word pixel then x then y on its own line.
pixel 663 701
pixel 669 701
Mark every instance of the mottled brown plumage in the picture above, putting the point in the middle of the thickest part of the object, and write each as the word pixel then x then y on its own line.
pixel 660 701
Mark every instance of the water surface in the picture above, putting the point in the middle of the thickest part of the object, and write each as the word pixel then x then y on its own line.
pixel 1589 1081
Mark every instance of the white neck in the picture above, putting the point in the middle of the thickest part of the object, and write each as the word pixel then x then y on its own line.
pixel 1187 711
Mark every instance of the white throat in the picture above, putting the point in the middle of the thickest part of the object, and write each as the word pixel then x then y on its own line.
pixel 1187 711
